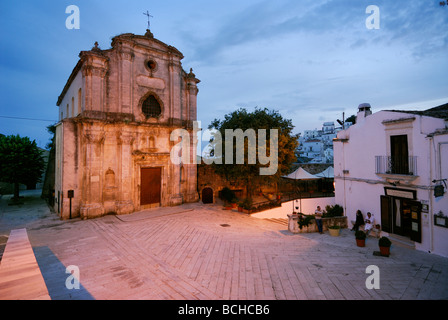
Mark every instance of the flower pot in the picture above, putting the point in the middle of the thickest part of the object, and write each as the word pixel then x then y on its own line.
pixel 385 251
pixel 361 242
pixel 334 232
pixel 240 209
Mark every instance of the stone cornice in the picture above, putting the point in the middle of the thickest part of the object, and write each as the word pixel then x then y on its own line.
pixel 86 57
pixel 69 82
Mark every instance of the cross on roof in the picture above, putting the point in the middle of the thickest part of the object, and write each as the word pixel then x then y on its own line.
pixel 149 16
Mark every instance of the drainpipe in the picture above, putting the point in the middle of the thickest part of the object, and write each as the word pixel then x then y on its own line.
pixel 430 213
pixel 343 176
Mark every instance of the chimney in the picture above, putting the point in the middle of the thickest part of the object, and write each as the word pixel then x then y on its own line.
pixel 364 110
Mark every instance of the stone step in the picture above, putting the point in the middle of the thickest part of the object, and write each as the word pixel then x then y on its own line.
pixel 401 241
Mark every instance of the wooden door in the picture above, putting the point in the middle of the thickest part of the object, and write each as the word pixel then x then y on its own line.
pixel 399 154
pixel 207 195
pixel 416 221
pixel 386 214
pixel 150 191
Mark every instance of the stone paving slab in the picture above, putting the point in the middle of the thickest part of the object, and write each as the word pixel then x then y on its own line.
pixel 201 252
pixel 20 277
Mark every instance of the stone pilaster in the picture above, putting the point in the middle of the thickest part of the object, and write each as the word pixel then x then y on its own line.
pixel 125 141
pixel 92 184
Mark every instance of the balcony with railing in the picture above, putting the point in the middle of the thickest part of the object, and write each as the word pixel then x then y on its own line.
pixel 401 166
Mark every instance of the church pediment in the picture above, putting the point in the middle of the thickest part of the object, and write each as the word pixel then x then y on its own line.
pixel 146 42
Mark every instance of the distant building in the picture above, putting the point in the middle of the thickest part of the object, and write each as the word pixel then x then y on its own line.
pixel 316 146
pixel 394 164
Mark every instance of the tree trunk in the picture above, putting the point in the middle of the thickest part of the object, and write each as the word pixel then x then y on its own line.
pixel 15 200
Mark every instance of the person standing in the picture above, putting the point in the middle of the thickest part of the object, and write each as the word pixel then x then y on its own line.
pixel 318 216
pixel 359 221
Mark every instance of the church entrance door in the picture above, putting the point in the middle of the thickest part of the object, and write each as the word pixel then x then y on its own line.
pixel 150 192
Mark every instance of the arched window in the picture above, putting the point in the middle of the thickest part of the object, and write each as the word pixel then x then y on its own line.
pixel 152 142
pixel 79 101
pixel 151 107
pixel 73 107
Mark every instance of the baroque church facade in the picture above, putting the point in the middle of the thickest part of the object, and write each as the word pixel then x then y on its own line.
pixel 113 139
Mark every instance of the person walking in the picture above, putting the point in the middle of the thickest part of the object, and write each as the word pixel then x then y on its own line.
pixel 318 216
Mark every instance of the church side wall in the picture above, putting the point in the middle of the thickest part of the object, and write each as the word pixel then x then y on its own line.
pixel 66 170
pixel 72 100
pixel 59 146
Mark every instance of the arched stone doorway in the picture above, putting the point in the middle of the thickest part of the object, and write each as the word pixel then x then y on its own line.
pixel 207 195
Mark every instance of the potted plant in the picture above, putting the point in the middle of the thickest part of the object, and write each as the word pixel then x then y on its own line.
pixel 247 205
pixel 333 211
pixel 360 238
pixel 240 206
pixel 384 243
pixel 334 230
pixel 304 220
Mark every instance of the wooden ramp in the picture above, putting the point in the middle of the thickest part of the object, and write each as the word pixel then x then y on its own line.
pixel 20 276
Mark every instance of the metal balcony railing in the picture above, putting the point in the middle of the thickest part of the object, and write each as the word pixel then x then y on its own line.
pixel 396 165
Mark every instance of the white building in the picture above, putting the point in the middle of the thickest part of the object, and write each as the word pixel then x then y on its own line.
pixel 311 148
pixel 394 164
pixel 317 145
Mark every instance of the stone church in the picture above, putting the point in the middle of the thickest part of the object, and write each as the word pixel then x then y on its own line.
pixel 116 114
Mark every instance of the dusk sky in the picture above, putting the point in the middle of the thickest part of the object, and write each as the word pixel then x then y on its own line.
pixel 310 60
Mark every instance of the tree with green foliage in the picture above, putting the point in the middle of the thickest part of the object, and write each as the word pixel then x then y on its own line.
pixel 249 171
pixel 351 119
pixel 21 161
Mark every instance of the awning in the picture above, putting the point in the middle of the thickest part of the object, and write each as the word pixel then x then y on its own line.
pixel 301 174
pixel 328 173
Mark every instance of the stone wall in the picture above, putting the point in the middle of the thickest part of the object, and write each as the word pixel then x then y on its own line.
pixel 293 225
pixel 308 207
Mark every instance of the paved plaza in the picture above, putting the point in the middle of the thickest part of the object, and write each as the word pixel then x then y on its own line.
pixel 201 252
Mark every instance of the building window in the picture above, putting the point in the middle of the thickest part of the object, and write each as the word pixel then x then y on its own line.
pixel 79 101
pixel 399 162
pixel 399 154
pixel 151 65
pixel 73 107
pixel 151 107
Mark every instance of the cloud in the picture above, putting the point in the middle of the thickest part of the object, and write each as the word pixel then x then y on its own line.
pixel 271 21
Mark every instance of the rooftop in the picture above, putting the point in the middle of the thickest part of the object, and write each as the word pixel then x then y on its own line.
pixel 440 112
